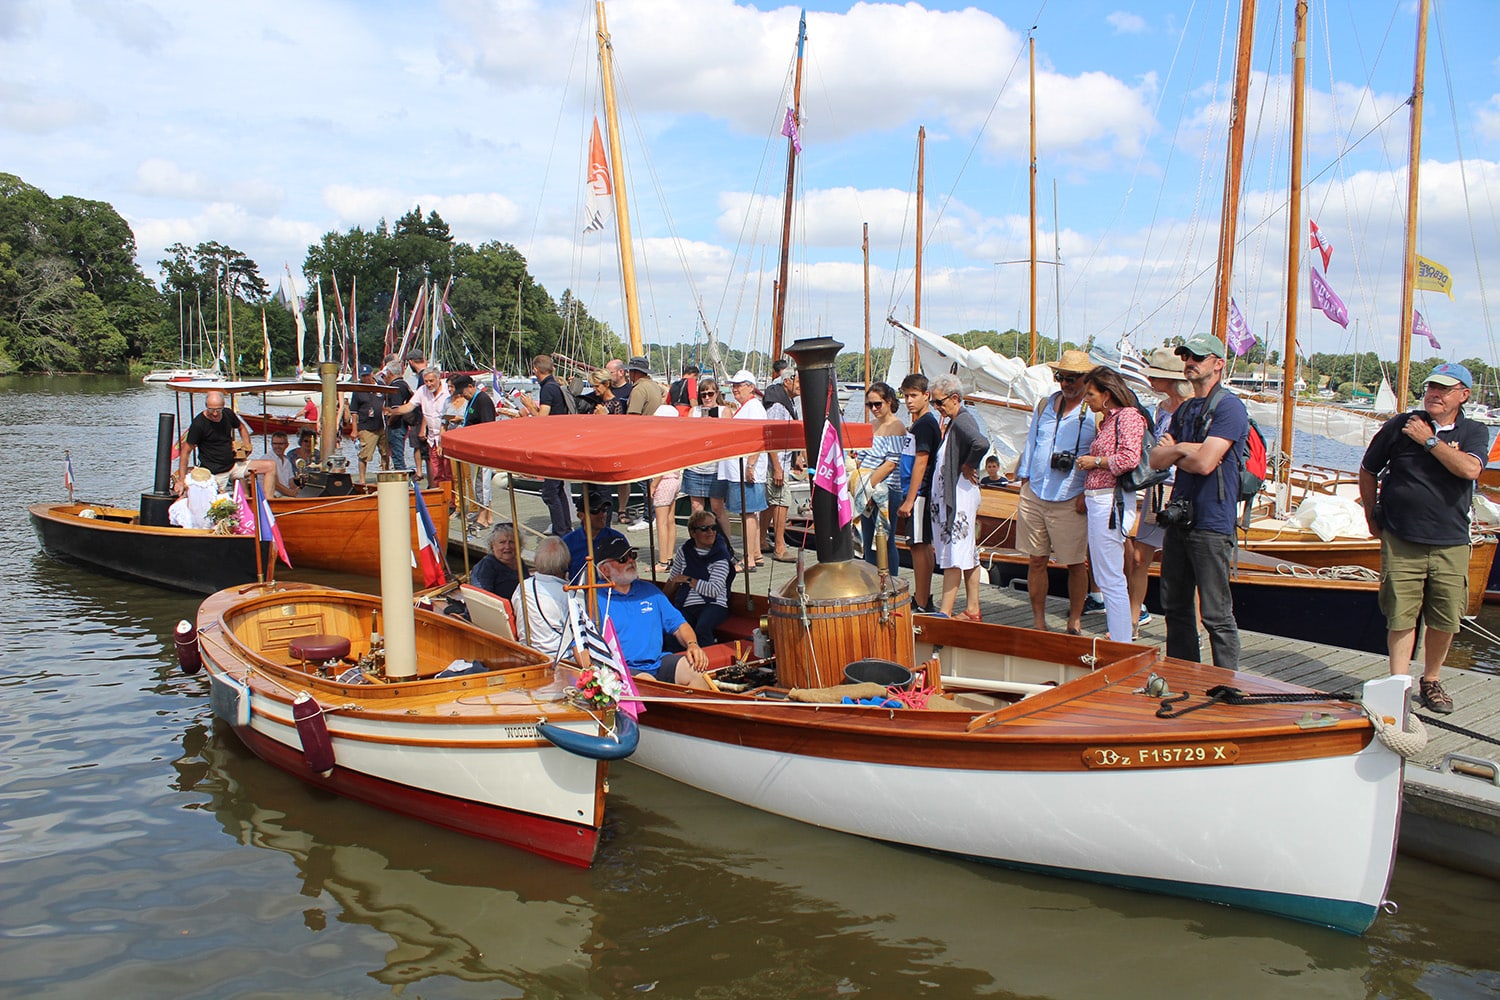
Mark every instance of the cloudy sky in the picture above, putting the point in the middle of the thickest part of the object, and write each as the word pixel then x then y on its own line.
pixel 266 125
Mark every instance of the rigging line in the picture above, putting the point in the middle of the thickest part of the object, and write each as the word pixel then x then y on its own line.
pixel 1255 264
pixel 906 221
pixel 1463 177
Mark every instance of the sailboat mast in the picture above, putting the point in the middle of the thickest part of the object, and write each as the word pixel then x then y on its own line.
pixel 1409 261
pixel 1031 357
pixel 1057 266
pixel 778 311
pixel 1232 179
pixel 916 318
pixel 865 247
pixel 1293 255
pixel 622 207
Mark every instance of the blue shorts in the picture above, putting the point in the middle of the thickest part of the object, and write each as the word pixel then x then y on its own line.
pixel 665 670
pixel 754 502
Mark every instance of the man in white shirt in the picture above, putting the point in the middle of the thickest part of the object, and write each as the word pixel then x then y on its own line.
pixel 748 497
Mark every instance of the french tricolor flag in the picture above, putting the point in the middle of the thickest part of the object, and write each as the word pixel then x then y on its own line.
pixel 427 557
pixel 268 530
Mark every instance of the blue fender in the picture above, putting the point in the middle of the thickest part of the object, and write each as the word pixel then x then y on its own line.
pixel 617 747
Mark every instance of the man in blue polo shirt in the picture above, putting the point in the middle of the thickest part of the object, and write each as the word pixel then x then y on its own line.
pixel 643 617
pixel 1205 441
pixel 1424 463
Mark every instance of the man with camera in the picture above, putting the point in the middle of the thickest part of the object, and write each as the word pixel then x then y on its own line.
pixel 1425 463
pixel 1051 522
pixel 1205 443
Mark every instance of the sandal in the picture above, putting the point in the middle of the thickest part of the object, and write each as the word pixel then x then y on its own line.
pixel 662 567
pixel 977 616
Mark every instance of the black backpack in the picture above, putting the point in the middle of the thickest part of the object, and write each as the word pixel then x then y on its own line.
pixel 1143 477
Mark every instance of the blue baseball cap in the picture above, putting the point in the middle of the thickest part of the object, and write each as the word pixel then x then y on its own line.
pixel 1452 373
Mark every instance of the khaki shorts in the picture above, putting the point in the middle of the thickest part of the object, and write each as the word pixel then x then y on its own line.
pixel 1430 581
pixel 1053 528
pixel 778 496
pixel 368 441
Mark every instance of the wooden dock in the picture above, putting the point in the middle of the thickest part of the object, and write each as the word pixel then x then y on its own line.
pixel 1451 810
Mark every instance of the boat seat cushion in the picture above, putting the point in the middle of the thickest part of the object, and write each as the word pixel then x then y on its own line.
pixel 319 648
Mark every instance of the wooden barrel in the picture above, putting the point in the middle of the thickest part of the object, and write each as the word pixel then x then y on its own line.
pixel 839 630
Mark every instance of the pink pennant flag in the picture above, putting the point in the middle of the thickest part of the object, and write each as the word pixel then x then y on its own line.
pixel 631 704
pixel 1320 244
pixel 790 130
pixel 1240 337
pixel 833 474
pixel 1419 328
pixel 1325 299
pixel 245 519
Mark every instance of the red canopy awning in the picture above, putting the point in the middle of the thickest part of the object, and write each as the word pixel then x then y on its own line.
pixel 590 448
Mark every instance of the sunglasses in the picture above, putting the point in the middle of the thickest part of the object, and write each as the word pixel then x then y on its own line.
pixel 1184 353
pixel 628 557
pixel 708 392
pixel 940 400
pixel 213 409
pixel 1063 379
pixel 875 405
pixel 710 528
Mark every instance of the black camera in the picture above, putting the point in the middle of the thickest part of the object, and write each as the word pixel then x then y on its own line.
pixel 1178 513
pixel 1063 460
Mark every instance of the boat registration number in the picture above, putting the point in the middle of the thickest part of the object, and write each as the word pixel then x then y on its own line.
pixel 1168 755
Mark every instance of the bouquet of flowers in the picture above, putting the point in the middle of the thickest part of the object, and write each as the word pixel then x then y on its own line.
pixel 599 687
pixel 223 516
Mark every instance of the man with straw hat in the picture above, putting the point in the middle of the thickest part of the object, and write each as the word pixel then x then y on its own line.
pixel 1051 522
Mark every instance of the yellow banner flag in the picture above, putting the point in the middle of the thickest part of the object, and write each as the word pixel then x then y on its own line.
pixel 1433 277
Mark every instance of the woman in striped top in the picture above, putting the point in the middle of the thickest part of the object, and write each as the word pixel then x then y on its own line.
pixel 876 465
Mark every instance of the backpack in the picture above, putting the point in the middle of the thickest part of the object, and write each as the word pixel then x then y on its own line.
pixel 1143 476
pixel 1253 460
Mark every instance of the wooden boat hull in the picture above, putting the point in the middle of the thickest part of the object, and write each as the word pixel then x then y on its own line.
pixel 461 753
pixel 270 423
pixel 116 543
pixel 1231 804
pixel 343 533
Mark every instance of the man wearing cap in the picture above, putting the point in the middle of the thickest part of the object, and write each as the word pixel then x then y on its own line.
pixel 369 423
pixel 1416 483
pixel 646 394
pixel 593 516
pixel 1204 441
pixel 1050 521
pixel 643 618
pixel 395 427
pixel 551 399
pixel 728 498
pixel 778 487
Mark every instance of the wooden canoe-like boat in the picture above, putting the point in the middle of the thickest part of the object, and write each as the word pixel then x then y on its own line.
pixel 114 541
pixel 342 533
pixel 461 752
pixel 1052 756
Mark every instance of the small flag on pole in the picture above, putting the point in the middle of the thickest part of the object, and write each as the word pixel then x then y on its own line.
pixel 1327 300
pixel 790 130
pixel 1240 337
pixel 269 532
pixel 1419 328
pixel 602 652
pixel 428 558
pixel 1320 244
pixel 599 186
pixel 68 474
pixel 833 473
pixel 1433 277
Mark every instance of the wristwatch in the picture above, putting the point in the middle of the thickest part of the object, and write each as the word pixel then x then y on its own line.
pixel 1430 443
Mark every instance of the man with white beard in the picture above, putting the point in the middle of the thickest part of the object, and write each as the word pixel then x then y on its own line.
pixel 643 618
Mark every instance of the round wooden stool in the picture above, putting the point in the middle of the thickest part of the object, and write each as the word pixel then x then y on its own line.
pixel 318 649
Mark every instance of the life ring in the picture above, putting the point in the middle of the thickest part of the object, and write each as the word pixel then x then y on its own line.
pixel 616 746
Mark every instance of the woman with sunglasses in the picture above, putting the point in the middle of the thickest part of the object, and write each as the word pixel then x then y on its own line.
pixel 955 496
pixel 700 576
pixel 698 480
pixel 876 465
pixel 1116 450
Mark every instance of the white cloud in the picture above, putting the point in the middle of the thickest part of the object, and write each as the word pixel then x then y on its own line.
pixel 1126 23
pixel 160 178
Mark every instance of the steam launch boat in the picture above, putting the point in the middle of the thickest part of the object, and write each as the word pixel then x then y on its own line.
pixel 1059 754
pixel 406 709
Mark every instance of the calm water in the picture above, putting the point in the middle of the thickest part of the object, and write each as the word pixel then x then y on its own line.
pixel 146 853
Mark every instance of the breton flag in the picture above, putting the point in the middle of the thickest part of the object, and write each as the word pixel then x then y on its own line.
pixel 1433 277
pixel 1325 299
pixel 1240 337
pixel 1320 244
pixel 601 651
pixel 427 555
pixel 268 530
pixel 833 472
pixel 599 186
pixel 790 130
pixel 1419 328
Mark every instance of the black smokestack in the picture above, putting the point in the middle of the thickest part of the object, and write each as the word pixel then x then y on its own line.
pixel 815 357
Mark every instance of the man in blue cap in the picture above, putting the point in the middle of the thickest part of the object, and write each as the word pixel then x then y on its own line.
pixel 1416 483
pixel 1204 441
pixel 369 419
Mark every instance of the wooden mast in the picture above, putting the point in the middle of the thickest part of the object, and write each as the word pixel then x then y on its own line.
pixel 1233 162
pixel 1409 260
pixel 916 318
pixel 1293 257
pixel 1031 357
pixel 778 311
pixel 622 206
